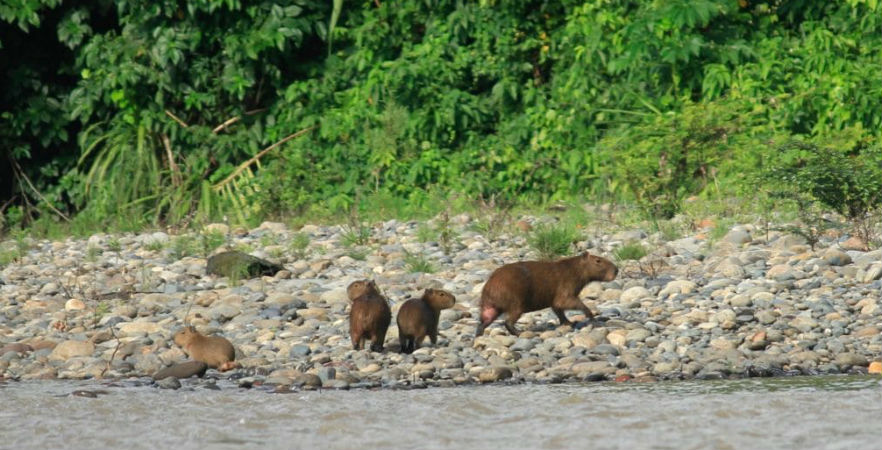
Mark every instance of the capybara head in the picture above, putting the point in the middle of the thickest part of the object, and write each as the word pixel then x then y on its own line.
pixel 597 268
pixel 361 287
pixel 438 299
pixel 186 335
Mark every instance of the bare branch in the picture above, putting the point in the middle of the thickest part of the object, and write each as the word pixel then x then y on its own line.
pixel 176 119
pixel 24 176
pixel 175 171
pixel 260 154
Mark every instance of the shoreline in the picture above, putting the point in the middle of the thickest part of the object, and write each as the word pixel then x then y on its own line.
pixel 692 308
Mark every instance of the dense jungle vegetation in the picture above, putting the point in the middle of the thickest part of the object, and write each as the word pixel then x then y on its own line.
pixel 128 114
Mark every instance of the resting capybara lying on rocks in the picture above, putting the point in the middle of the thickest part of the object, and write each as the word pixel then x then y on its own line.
pixel 527 286
pixel 369 317
pixel 418 318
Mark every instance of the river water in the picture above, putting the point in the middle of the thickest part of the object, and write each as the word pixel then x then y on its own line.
pixel 780 413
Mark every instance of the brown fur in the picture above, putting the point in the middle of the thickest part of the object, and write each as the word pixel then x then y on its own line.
pixel 418 318
pixel 369 318
pixel 215 351
pixel 358 288
pixel 527 286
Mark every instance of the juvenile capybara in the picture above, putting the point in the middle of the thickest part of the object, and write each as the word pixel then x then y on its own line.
pixel 369 318
pixel 360 287
pixel 418 318
pixel 215 351
pixel 527 286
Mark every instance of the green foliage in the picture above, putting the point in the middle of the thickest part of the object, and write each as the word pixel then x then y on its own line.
pixel 631 251
pixel 299 245
pixel 136 113
pixel 845 176
pixel 92 253
pixel 417 262
pixel 183 246
pixel 154 245
pixel 210 240
pixel 672 156
pixel 358 253
pixel 114 245
pixel 357 234
pixel 552 240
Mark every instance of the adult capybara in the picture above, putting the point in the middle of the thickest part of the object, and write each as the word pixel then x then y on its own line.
pixel 360 287
pixel 418 318
pixel 527 286
pixel 369 318
pixel 215 351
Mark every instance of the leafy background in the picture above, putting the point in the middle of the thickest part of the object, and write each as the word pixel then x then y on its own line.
pixel 127 114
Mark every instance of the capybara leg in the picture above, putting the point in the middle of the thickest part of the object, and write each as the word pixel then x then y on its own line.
pixel 587 311
pixel 561 314
pixel 511 319
pixel 356 341
pixel 488 315
pixel 377 341
pixel 510 322
pixel 433 338
pixel 406 344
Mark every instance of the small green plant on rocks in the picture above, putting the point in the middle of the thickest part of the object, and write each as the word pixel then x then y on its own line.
pixel 92 253
pixel 154 245
pixel 357 234
pixel 181 247
pixel 812 222
pixel 417 262
pixel 211 240
pixel 631 251
pixel 299 245
pixel 243 247
pixel 358 253
pixel 114 245
pixel 552 240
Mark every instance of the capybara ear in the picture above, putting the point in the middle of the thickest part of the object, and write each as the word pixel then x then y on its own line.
pixel 429 290
pixel 587 254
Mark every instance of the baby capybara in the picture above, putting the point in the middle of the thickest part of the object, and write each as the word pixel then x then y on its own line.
pixel 360 287
pixel 418 318
pixel 215 351
pixel 369 318
pixel 527 286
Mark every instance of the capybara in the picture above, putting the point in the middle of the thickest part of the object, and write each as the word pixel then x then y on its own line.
pixel 527 286
pixel 418 318
pixel 369 318
pixel 215 351
pixel 360 287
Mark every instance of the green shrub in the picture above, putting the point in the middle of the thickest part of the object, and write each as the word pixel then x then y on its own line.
pixel 553 240
pixel 299 245
pixel 417 262
pixel 631 251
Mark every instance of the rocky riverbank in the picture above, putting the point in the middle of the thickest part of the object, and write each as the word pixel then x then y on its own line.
pixel 747 304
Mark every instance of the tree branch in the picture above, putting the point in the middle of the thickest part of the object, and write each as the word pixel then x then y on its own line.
pixel 176 119
pixel 260 154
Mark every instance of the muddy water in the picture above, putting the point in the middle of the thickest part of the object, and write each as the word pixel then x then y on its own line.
pixel 784 413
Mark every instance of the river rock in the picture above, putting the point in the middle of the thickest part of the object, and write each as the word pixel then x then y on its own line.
pixel 235 264
pixel 71 349
pixel 182 370
pixel 494 374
